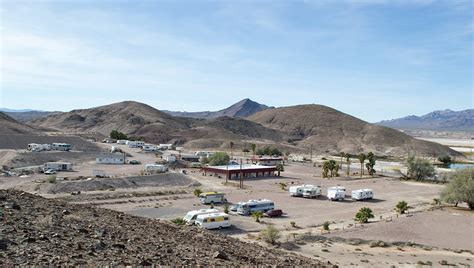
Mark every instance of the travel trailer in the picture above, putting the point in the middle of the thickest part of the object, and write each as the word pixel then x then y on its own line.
pixel 34 147
pixel 135 144
pixel 247 208
pixel 57 166
pixel 212 197
pixel 336 193
pixel 61 146
pixel 362 194
pixel 149 148
pixel 123 142
pixel 110 158
pixel 305 190
pixel 155 168
pixel 191 216
pixel 213 221
pixel 165 146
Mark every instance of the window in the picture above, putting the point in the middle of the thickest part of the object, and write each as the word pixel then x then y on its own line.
pixel 213 220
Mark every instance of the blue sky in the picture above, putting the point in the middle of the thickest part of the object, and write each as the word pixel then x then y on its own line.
pixel 374 59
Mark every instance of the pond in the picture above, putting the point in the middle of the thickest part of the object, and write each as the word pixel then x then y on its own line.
pixel 457 166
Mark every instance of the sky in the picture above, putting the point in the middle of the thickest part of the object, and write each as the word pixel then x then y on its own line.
pixel 373 59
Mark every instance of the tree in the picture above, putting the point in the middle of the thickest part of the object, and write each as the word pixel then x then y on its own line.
pixel 204 160
pixel 348 161
pixel 257 215
pixel 219 159
pixel 332 167
pixel 419 169
pixel 253 147
pixel 197 192
pixel 364 215
pixel 445 159
pixel 231 150
pixel 115 134
pixel 371 164
pixel 270 234
pixel 401 207
pixel 267 150
pixel 326 166
pixel 460 188
pixel 362 158
pixel 280 168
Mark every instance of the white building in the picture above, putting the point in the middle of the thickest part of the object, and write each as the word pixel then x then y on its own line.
pixel 111 158
pixel 58 166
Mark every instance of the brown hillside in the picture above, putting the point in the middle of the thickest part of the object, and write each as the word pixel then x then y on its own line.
pixel 9 125
pixel 330 130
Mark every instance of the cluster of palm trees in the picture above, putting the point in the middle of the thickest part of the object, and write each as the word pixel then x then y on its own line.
pixel 330 166
pixel 330 169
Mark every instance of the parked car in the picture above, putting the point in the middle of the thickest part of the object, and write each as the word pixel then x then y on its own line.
pixel 50 171
pixel 134 162
pixel 273 213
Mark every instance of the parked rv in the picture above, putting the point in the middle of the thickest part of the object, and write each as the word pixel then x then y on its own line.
pixel 213 221
pixel 191 216
pixel 247 208
pixel 336 193
pixel 122 142
pixel 135 144
pixel 212 198
pixel 61 146
pixel 34 147
pixel 305 190
pixel 57 166
pixel 150 148
pixel 362 194
pixel 155 168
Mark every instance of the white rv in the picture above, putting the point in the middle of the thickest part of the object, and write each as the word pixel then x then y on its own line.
pixel 213 221
pixel 57 166
pixel 336 193
pixel 305 190
pixel 212 197
pixel 150 148
pixel 123 142
pixel 34 147
pixel 155 168
pixel 362 194
pixel 191 216
pixel 61 146
pixel 165 146
pixel 135 144
pixel 247 208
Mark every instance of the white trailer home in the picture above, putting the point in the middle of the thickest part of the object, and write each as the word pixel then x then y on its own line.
pixel 111 158
pixel 213 221
pixel 61 146
pixel 135 144
pixel 362 194
pixel 57 166
pixel 336 193
pixel 155 168
pixel 305 190
pixel 191 216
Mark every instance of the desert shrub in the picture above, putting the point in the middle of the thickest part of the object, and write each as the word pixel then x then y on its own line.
pixel 226 208
pixel 401 207
pixel 267 150
pixel 51 179
pixel 293 224
pixel 270 234
pixel 283 186
pixel 460 188
pixel 197 192
pixel 257 215
pixel 326 226
pixel 178 221
pixel 419 169
pixel 363 215
pixel 445 159
pixel 245 150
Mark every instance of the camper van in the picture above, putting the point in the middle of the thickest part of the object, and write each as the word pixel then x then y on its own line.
pixel 212 197
pixel 57 166
pixel 247 208
pixel 61 146
pixel 336 193
pixel 362 194
pixel 191 216
pixel 305 190
pixel 213 221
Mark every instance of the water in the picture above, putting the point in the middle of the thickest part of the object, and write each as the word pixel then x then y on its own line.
pixel 460 166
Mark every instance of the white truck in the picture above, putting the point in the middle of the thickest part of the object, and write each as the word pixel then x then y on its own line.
pixel 337 193
pixel 191 216
pixel 213 221
pixel 305 190
pixel 362 194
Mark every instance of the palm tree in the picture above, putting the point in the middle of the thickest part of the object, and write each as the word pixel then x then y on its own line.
pixel 257 215
pixel 342 157
pixel 348 161
pixel 326 167
pixel 231 150
pixel 253 147
pixel 280 168
pixel 362 158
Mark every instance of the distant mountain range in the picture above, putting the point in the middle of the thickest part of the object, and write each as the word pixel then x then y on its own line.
pixel 445 120
pixel 25 115
pixel 241 109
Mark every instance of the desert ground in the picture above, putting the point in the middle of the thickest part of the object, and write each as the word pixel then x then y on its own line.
pixel 423 236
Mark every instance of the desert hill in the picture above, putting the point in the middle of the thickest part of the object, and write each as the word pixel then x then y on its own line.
pixel 45 232
pixel 446 120
pixel 330 130
pixel 243 108
pixel 9 125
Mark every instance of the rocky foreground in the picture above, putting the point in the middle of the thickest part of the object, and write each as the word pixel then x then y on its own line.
pixel 39 231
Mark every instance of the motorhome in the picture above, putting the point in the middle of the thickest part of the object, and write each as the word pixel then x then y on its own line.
pixel 57 166
pixel 61 146
pixel 247 208
pixel 213 221
pixel 191 216
pixel 362 194
pixel 305 190
pixel 336 193
pixel 135 144
pixel 34 147
pixel 212 197
pixel 149 148
pixel 155 168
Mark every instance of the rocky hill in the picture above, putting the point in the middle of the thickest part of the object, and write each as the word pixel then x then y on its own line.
pixel 330 130
pixel 45 232
pixel 26 116
pixel 446 120
pixel 243 108
pixel 9 125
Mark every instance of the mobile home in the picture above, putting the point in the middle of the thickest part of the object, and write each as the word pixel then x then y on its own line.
pixel 305 190
pixel 61 146
pixel 110 158
pixel 191 216
pixel 57 166
pixel 336 193
pixel 247 208
pixel 362 194
pixel 212 197
pixel 213 221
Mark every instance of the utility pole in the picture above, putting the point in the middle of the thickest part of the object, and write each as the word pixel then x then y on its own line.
pixel 241 176
pixel 311 153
